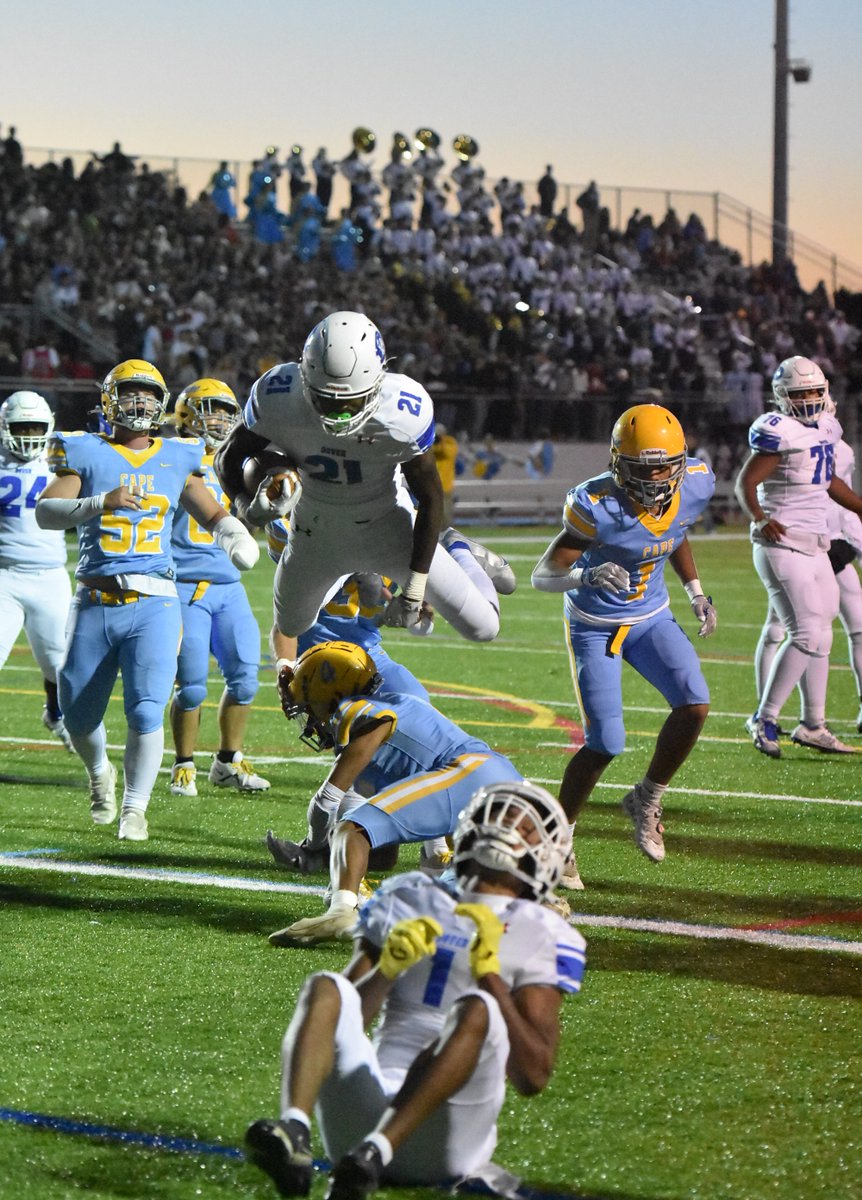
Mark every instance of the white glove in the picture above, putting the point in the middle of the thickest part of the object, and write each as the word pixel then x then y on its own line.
pixel 237 543
pixel 610 576
pixel 276 496
pixel 400 613
pixel 703 609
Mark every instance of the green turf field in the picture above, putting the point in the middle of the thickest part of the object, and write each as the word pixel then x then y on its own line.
pixel 713 1052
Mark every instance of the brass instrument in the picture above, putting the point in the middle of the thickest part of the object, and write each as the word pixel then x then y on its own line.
pixel 465 147
pixel 426 139
pixel 363 140
pixel 401 148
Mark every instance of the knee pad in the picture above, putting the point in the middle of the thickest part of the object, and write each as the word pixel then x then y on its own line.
pixel 189 696
pixel 145 716
pixel 816 643
pixel 608 738
pixel 243 683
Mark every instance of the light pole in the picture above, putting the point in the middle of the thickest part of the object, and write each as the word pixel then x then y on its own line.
pixel 801 72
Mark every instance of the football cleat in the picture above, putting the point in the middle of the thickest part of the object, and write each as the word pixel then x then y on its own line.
pixel 646 815
pixel 571 876
pixel 558 904
pixel 297 856
pixel 58 728
pixel 819 738
pixel 183 777
pixel 133 825
pixel 494 565
pixel 357 1175
pixel 103 796
pixel 239 774
pixel 764 734
pixel 283 1150
pixel 336 925
pixel 859 721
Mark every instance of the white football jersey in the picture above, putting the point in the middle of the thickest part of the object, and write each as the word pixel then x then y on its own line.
pixel 23 545
pixel 537 947
pixel 354 469
pixel 796 493
pixel 843 523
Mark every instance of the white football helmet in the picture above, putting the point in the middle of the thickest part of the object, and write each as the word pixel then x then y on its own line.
pixel 516 827
pixel 800 389
pixel 342 365
pixel 25 410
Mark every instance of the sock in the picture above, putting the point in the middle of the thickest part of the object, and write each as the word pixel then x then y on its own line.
pixel 468 564
pixel 53 709
pixel 141 764
pixel 383 1144
pixel 654 791
pixel 226 756
pixel 296 1114
pixel 92 748
pixel 183 762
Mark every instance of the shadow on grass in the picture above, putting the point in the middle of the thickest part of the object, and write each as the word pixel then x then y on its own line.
pixel 740 849
pixel 801 972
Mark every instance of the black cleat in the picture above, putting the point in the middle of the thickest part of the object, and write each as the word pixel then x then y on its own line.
pixel 283 1150
pixel 297 856
pixel 357 1175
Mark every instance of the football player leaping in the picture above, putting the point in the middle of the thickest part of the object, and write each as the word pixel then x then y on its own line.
pixel 469 987
pixel 785 487
pixel 121 491
pixel 359 438
pixel 34 586
pixel 619 531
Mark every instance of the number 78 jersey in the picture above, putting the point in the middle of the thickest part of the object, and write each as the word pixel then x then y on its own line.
pixel 349 470
pixel 796 492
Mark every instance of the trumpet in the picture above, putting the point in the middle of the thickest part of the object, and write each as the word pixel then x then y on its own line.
pixel 465 147
pixel 401 148
pixel 426 139
pixel 363 140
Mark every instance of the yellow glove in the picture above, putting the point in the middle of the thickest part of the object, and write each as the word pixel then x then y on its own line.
pixel 407 943
pixel 485 946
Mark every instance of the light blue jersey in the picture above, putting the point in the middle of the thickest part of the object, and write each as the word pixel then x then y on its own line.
pixel 128 541
pixel 196 554
pixel 423 774
pixel 600 512
pixel 23 545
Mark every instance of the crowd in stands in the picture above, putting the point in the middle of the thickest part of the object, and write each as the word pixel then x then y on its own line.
pixel 515 315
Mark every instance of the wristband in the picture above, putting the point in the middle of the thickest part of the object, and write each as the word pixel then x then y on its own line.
pixel 281 663
pixel 328 795
pixel 693 588
pixel 762 523
pixel 414 589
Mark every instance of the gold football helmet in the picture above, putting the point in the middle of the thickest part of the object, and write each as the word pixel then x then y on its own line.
pixel 647 438
pixel 324 675
pixel 207 409
pixel 135 395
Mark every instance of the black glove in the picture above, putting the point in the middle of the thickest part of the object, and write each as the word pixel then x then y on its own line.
pixel 840 554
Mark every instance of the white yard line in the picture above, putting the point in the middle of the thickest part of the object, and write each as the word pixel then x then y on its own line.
pixel 782 941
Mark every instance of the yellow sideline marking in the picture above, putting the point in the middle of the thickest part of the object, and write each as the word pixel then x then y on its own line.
pixel 543 716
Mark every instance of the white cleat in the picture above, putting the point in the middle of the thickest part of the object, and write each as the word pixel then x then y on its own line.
pixel 239 774
pixel 58 729
pixel 183 777
pixel 494 565
pixel 821 738
pixel 334 926
pixel 646 815
pixel 103 796
pixel 571 876
pixel 133 826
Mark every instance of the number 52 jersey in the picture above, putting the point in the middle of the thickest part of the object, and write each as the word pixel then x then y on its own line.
pixel 128 540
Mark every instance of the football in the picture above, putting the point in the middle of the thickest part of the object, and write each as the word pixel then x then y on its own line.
pixel 257 468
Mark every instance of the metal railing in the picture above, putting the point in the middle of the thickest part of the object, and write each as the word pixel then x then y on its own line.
pixel 726 219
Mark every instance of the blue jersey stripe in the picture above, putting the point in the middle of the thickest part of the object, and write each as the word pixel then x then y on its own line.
pixel 758 439
pixel 426 438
